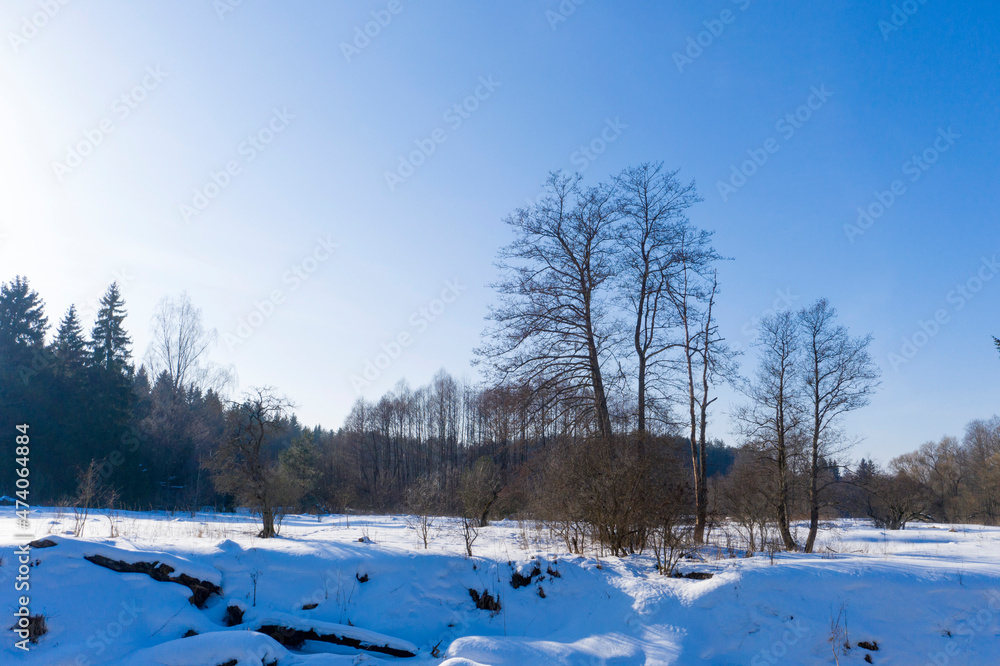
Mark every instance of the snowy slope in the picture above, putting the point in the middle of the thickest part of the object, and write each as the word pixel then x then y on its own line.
pixel 929 595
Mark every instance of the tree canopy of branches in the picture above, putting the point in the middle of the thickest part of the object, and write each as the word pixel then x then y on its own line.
pixel 839 377
pixel 652 253
pixel 240 465
pixel 180 342
pixel 552 328
pixel 772 419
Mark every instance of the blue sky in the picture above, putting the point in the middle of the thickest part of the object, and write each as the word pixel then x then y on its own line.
pixel 309 128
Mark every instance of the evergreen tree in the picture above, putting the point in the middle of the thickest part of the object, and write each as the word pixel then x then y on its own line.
pixel 25 372
pixel 109 341
pixel 69 346
pixel 22 326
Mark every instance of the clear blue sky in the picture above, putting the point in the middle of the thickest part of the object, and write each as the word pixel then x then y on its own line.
pixel 329 122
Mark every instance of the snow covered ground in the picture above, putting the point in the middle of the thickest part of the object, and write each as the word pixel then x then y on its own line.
pixel 928 595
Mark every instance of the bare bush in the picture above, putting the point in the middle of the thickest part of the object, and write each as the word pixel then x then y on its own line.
pixel 88 495
pixel 421 498
pixel 746 496
pixel 893 500
pixel 470 532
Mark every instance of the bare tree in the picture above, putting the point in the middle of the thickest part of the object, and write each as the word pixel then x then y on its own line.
pixel 692 290
pixel 652 204
pixel 552 329
pixel 895 498
pixel 938 466
pixel 180 342
pixel 840 377
pixel 775 412
pixel 240 464
pixel 479 490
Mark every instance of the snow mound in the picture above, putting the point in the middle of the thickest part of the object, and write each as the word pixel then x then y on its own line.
pixel 217 647
pixel 71 547
pixel 339 634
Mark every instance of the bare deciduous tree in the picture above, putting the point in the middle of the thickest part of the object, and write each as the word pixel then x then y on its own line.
pixel 652 204
pixel 692 291
pixel 840 377
pixel 552 327
pixel 775 413
pixel 180 342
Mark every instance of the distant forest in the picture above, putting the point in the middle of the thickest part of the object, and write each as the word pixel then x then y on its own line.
pixel 600 364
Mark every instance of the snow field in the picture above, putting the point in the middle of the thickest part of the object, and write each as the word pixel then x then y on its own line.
pixel 927 595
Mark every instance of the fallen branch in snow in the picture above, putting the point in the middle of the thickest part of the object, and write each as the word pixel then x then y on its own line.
pixel 359 639
pixel 158 571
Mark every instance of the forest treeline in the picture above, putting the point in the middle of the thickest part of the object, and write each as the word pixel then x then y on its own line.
pixel 600 363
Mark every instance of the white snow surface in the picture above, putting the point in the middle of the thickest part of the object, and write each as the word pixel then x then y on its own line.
pixel 926 595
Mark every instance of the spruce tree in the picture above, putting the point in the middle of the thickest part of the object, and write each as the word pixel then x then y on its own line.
pixel 110 396
pixel 22 325
pixel 69 346
pixel 25 377
pixel 109 341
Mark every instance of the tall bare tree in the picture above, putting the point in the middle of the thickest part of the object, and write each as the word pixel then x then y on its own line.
pixel 552 328
pixel 180 342
pixel 652 204
pixel 773 418
pixel 840 377
pixel 691 290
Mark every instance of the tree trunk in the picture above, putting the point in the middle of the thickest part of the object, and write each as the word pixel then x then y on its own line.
pixel 813 493
pixel 784 527
pixel 267 518
pixel 697 461
pixel 600 399
pixel 642 394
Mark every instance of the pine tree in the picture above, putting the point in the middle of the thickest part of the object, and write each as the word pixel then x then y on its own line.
pixel 109 341
pixel 69 346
